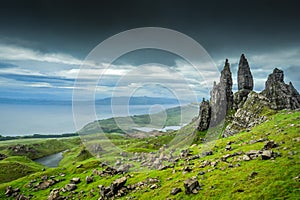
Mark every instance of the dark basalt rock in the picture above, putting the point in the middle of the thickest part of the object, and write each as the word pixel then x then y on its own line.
pixel 245 83
pixel 281 95
pixel 204 115
pixel 245 79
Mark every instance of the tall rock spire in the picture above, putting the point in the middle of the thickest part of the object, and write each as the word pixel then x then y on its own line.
pixel 245 79
pixel 245 83
pixel 221 96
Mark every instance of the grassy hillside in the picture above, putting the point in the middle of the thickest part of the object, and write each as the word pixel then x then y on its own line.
pixel 36 148
pixel 15 167
pixel 232 178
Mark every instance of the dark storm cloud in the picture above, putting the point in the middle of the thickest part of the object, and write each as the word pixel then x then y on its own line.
pixel 222 27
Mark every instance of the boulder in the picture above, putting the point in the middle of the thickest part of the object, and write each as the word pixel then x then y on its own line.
pixel 54 195
pixel 118 184
pixel 70 187
pixel 270 144
pixel 89 179
pixel 191 186
pixel 267 154
pixel 75 180
pixel 175 191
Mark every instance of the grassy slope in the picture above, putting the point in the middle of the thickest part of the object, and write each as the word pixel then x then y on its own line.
pixel 42 147
pixel 275 178
pixel 20 164
pixel 15 167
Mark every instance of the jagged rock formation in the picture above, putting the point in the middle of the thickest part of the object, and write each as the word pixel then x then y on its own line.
pixel 221 96
pixel 204 115
pixel 245 83
pixel 282 96
pixel 249 115
pixel 249 106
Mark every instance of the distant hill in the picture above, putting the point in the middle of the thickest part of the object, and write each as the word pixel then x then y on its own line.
pixel 175 116
pixel 106 101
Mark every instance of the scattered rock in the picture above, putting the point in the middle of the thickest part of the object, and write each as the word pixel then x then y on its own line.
pixel 246 158
pixel 253 174
pixel 118 184
pixel 185 153
pixel 213 164
pixel 175 191
pixel 191 186
pixel 79 166
pixel 45 184
pixel 89 179
pixel 207 153
pixel 2 156
pixel 75 180
pixel 9 191
pixel 267 154
pixel 22 197
pixel 270 144
pixel 228 148
pixel 70 187
pixel 154 186
pixel 54 195
pixel 201 173
pixel 187 169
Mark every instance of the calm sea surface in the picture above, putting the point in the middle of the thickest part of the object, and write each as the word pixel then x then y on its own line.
pixel 17 119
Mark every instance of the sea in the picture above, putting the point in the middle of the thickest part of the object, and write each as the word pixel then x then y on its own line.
pixel 23 119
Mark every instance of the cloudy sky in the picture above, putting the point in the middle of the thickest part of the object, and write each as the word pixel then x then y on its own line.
pixel 43 44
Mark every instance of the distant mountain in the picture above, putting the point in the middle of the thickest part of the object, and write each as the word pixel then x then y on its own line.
pixel 136 101
pixel 106 101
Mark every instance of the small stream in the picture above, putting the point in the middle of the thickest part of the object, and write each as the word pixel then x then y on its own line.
pixel 51 160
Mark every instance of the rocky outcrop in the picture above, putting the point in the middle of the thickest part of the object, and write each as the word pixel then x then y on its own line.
pixel 239 98
pixel 249 115
pixel 221 96
pixel 204 115
pixel 281 95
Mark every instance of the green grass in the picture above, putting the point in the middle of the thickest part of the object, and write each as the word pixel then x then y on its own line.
pixel 15 167
pixel 276 179
pixel 41 147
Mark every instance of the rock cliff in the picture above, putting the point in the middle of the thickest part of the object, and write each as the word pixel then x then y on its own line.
pixel 221 96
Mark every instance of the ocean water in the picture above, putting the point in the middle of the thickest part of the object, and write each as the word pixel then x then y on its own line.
pixel 19 119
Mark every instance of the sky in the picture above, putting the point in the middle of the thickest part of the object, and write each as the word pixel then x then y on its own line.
pixel 44 43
